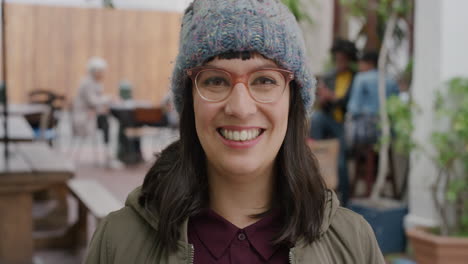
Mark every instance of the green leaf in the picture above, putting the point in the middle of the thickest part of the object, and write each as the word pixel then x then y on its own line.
pixel 451 196
pixel 295 8
pixel 400 115
pixel 455 189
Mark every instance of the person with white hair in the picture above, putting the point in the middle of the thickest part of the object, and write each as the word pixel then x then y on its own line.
pixel 91 106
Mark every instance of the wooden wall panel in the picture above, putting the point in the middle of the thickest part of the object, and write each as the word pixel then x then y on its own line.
pixel 48 47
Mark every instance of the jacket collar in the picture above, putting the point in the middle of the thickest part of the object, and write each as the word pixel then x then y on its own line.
pixel 331 205
pixel 185 249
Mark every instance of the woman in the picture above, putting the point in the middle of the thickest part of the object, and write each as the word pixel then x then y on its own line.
pixel 240 186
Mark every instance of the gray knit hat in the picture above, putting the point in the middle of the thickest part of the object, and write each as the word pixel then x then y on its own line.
pixel 213 27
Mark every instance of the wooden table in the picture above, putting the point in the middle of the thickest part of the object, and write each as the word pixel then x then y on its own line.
pixel 18 129
pixel 29 168
pixel 25 109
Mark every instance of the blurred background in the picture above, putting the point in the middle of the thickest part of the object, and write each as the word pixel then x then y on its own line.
pixel 85 105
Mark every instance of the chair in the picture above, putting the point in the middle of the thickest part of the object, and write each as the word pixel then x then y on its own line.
pixel 44 124
pixel 153 116
pixel 144 117
pixel 150 122
pixel 86 140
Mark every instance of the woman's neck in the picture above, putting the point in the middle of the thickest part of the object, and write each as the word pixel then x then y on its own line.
pixel 236 201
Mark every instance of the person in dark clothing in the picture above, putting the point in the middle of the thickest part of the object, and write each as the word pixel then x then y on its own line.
pixel 332 98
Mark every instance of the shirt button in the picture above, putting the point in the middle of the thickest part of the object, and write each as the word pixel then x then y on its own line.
pixel 241 236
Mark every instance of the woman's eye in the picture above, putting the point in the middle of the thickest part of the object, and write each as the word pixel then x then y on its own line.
pixel 264 81
pixel 216 81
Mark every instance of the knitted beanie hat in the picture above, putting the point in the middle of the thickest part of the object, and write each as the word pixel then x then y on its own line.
pixel 213 27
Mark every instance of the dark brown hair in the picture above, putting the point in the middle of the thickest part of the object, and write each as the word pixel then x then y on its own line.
pixel 176 186
pixel 370 56
pixel 346 47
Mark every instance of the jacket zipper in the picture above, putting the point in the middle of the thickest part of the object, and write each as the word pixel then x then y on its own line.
pixel 191 254
pixel 291 257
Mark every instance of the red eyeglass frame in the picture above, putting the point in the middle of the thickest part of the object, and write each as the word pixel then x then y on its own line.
pixel 192 73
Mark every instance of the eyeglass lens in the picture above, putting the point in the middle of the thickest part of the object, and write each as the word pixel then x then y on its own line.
pixel 264 85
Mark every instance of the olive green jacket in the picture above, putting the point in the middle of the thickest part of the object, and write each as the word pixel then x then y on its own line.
pixel 128 236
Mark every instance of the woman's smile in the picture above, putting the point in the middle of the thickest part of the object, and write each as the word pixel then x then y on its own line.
pixel 240 137
pixel 241 134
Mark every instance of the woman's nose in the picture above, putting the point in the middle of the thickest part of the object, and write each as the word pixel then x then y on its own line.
pixel 240 103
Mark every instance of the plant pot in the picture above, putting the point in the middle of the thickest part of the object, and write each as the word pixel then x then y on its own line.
pixel 433 249
pixel 387 223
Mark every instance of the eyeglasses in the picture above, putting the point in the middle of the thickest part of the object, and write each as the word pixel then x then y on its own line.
pixel 264 85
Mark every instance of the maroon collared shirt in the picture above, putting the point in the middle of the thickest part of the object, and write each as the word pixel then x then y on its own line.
pixel 216 240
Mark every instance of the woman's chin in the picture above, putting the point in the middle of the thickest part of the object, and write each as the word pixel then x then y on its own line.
pixel 243 170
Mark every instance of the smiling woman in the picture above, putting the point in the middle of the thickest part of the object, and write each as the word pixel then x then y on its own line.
pixel 241 185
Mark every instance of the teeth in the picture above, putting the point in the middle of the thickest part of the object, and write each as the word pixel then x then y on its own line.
pixel 236 135
pixel 242 135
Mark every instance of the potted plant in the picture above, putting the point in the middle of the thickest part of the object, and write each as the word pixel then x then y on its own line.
pixel 449 242
pixel 383 214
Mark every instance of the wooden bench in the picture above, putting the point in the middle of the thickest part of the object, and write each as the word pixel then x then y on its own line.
pixel 92 198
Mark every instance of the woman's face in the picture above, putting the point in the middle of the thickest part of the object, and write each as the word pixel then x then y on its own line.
pixel 263 124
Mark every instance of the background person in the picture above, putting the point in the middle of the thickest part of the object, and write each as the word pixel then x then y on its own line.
pixel 90 107
pixel 364 103
pixel 364 97
pixel 332 98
